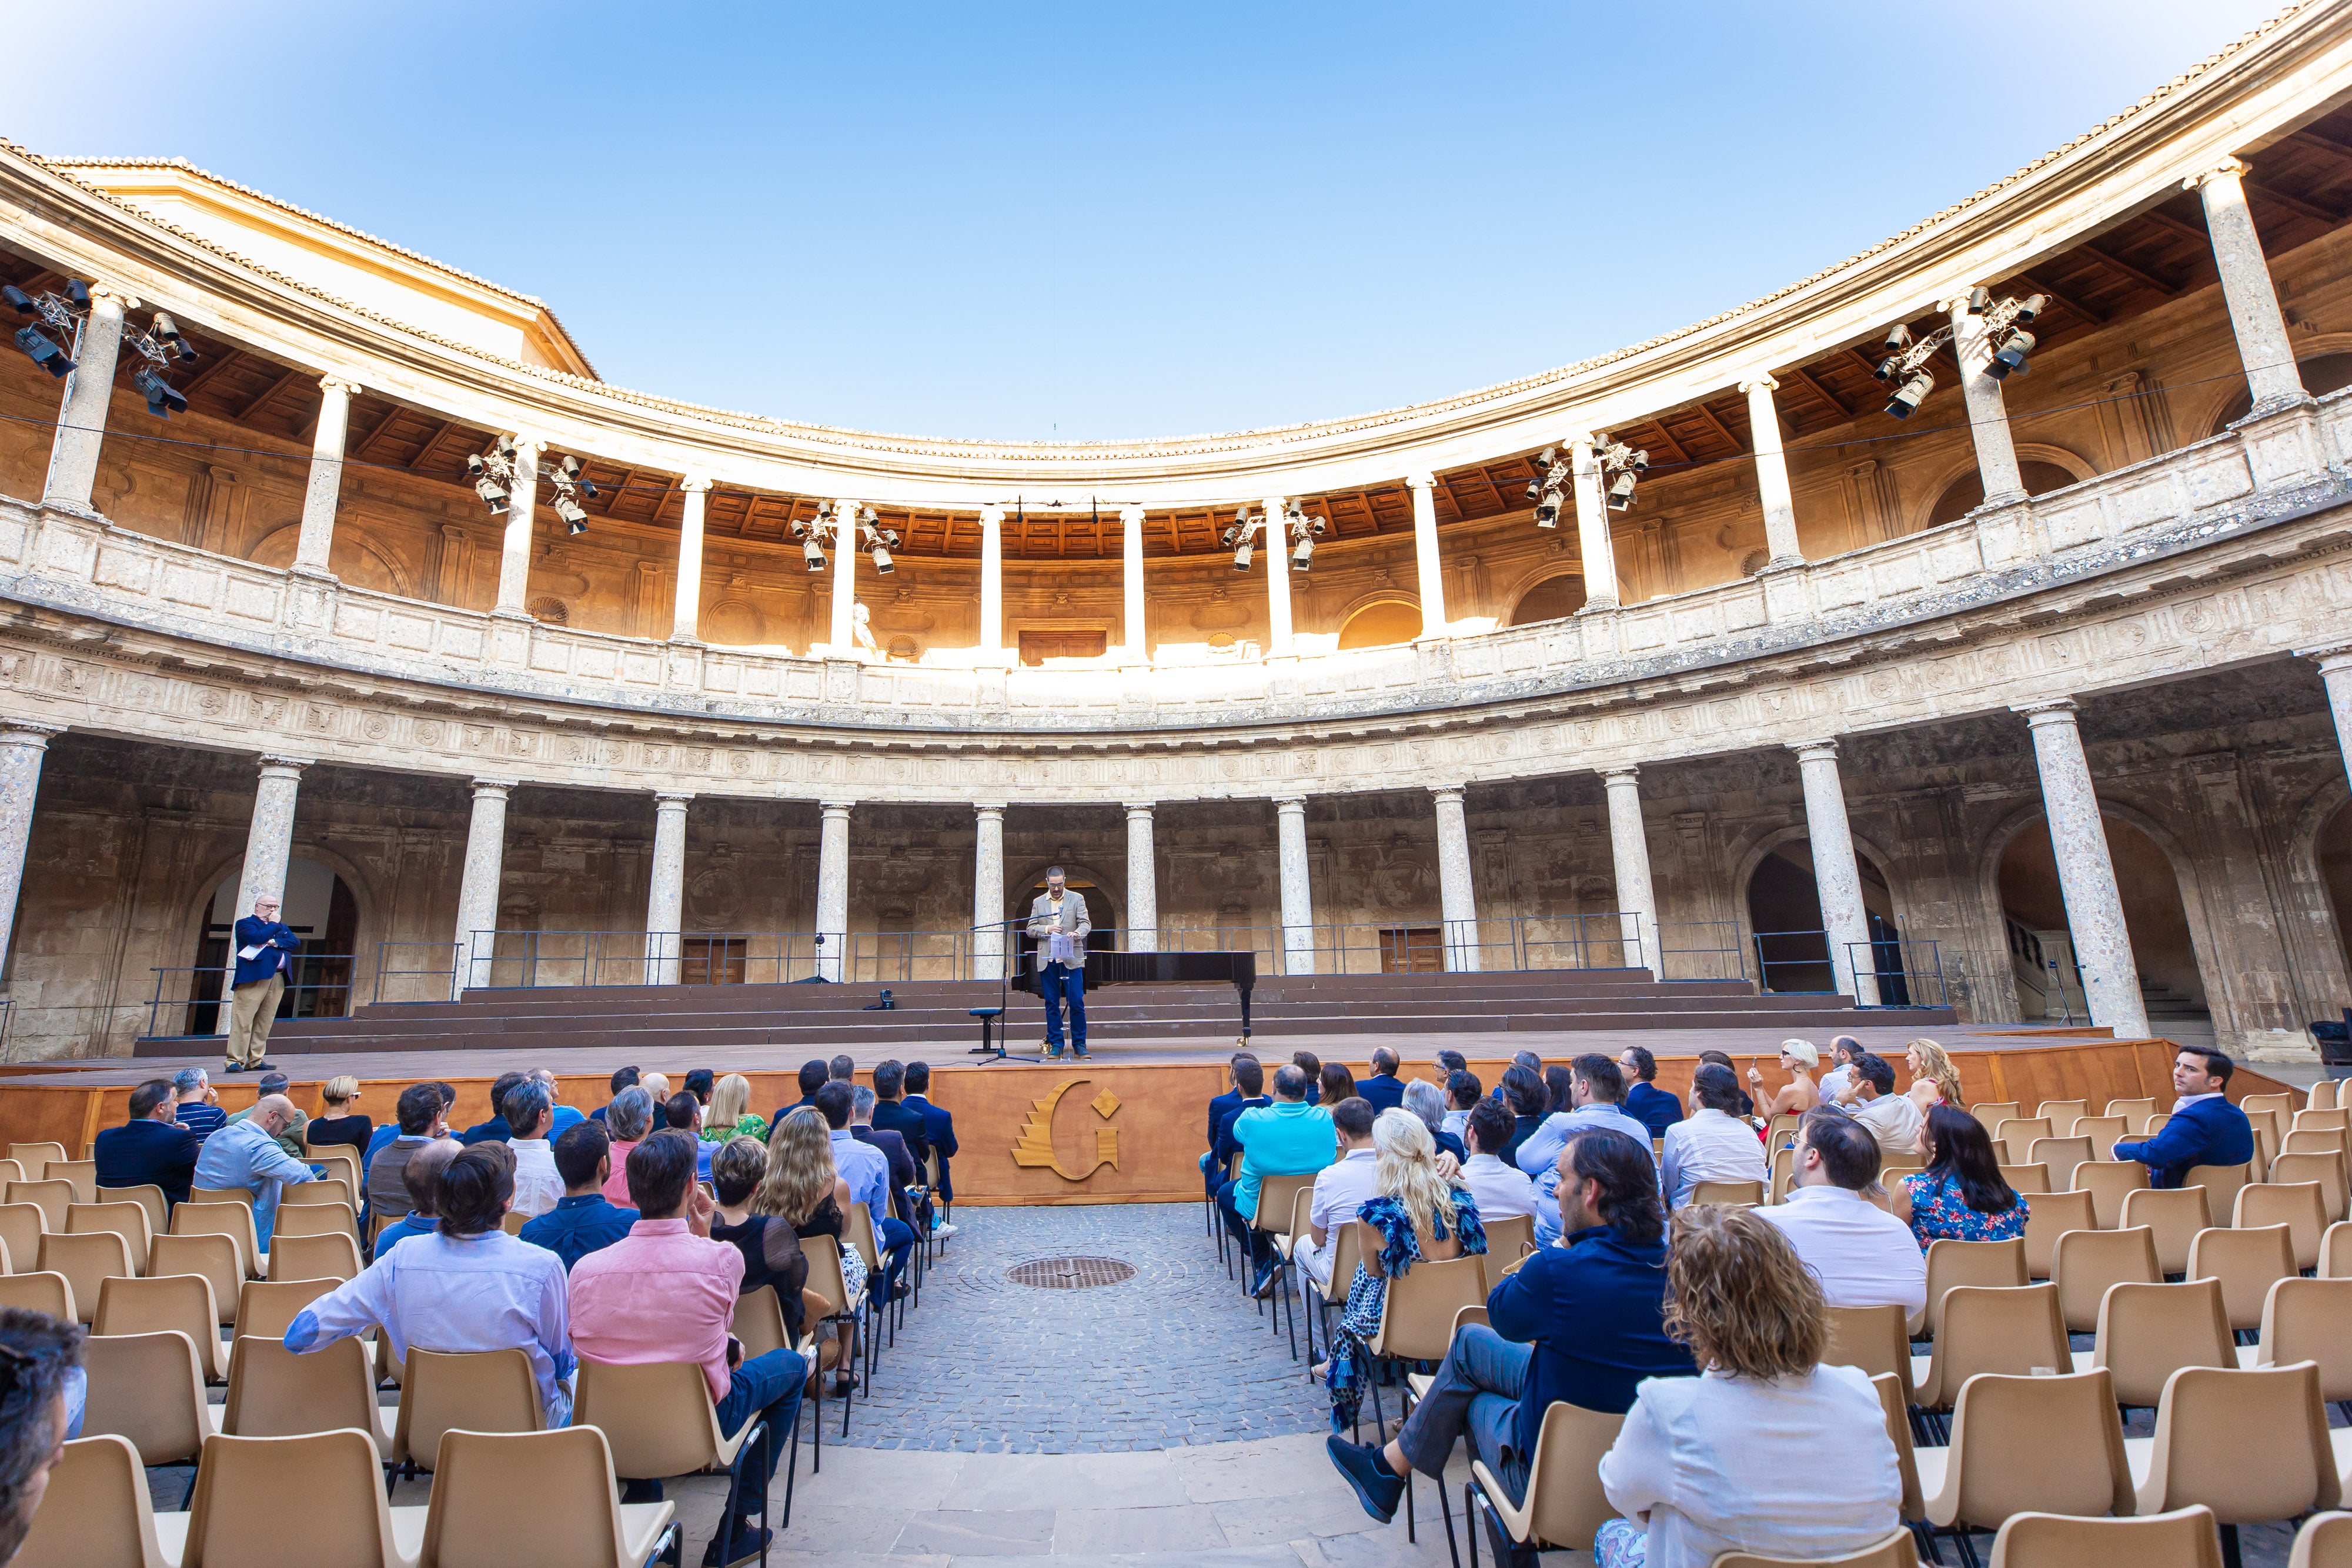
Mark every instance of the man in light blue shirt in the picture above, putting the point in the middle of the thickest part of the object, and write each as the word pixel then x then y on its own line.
pixel 1290 1137
pixel 246 1153
pixel 866 1169
pixel 1598 1086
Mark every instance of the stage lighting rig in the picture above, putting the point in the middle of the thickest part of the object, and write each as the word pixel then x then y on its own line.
pixel 1304 531
pixel 492 471
pixel 1549 488
pixel 1620 466
pixel 1907 354
pixel 1242 538
pixel 812 535
pixel 879 540
pixel 66 315
pixel 569 486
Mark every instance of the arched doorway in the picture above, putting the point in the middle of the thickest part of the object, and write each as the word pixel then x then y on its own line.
pixel 1101 913
pixel 1550 600
pixel 2333 849
pixel 324 911
pixel 1966 493
pixel 1784 916
pixel 2321 375
pixel 2171 984
pixel 1381 623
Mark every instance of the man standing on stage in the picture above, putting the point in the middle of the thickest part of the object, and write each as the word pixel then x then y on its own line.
pixel 1058 921
pixel 264 949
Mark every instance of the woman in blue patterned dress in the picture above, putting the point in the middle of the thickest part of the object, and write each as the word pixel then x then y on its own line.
pixel 1415 1215
pixel 1961 1196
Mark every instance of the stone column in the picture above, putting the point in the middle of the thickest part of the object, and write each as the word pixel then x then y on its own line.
pixel 2262 346
pixel 22 746
pixel 269 843
pixel 522 504
pixel 317 540
pixel 988 893
pixel 478 889
pixel 89 391
pixel 1275 554
pixel 1130 518
pixel 1142 883
pixel 2335 674
pixel 686 624
pixel 1628 847
pixel 1429 569
pixel 845 579
pixel 666 888
pixel 833 888
pixel 1987 414
pixel 1457 899
pixel 1837 874
pixel 991 583
pixel 1297 900
pixel 1592 544
pixel 2086 872
pixel 1772 473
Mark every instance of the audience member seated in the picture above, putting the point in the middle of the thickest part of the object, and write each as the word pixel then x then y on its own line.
pixel 772 1253
pixel 383 1138
pixel 1862 1256
pixel 730 1114
pixel 421 1117
pixel 842 1069
pixel 1801 1093
pixel 529 1111
pixel 1935 1078
pixel 1701 1466
pixel 1415 1214
pixel 1427 1101
pixel 702 1082
pixel 496 1129
pixel 1341 1187
pixel 1871 1100
pixel 1523 1092
pixel 1450 1062
pixel 1713 1144
pixel 630 1120
pixel 1290 1137
pixel 1501 1191
pixel 1961 1196
pixel 803 1190
pixel 291 1138
pixel 1462 1091
pixel 682 1113
pixel 1583 1322
pixel 903 1175
pixel 938 1132
pixel 1381 1088
pixel 1309 1063
pixel 1335 1083
pixel 42 1410
pixel 420 1178
pixel 1746 1110
pixel 468 1286
pixel 1653 1107
pixel 866 1169
pixel 340 1123
pixel 1845 1051
pixel 1596 1086
pixel 199 1103
pixel 666 1292
pixel 152 1149
pixel 893 1114
pixel 584 1219
pixel 2205 1129
pixel 246 1153
pixel 813 1075
pixel 626 1078
pixel 566 1116
pixel 657 1090
pixel 1248 1090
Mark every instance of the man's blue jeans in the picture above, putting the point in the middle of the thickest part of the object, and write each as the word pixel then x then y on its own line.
pixel 897 1240
pixel 771 1384
pixel 1055 981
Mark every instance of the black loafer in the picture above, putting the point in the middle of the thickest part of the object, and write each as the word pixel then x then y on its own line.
pixel 1377 1487
pixel 747 1545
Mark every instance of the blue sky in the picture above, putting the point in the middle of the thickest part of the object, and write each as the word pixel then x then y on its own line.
pixel 1088 222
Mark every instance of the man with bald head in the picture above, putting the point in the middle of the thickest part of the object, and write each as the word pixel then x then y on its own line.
pixel 246 1153
pixel 421 1177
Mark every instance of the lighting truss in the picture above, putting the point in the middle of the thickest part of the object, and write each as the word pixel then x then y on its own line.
pixel 1904 365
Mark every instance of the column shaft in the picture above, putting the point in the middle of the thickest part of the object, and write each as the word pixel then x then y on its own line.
pixel 1592 544
pixel 2254 317
pixel 1142 883
pixel 269 843
pixel 1276 553
pixel 665 890
pixel 2086 871
pixel 845 576
pixel 477 888
pixel 992 581
pixel 90 394
pixel 2335 674
pixel 1429 569
pixel 832 889
pixel 1837 874
pixel 1298 901
pixel 988 893
pixel 686 624
pixel 1987 414
pixel 1457 897
pixel 22 746
pixel 1780 547
pixel 1131 579
pixel 316 542
pixel 514 552
pixel 1629 848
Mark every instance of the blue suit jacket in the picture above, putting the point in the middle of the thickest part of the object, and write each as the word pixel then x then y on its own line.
pixel 143 1153
pixel 1653 1107
pixel 1385 1091
pixel 276 941
pixel 2209 1133
pixel 1593 1308
pixel 938 1127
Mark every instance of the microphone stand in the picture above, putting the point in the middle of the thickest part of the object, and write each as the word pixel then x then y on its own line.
pixel 988 1054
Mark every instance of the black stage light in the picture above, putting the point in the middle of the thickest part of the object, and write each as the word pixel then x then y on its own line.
pixel 1914 391
pixel 45 353
pixel 163 398
pixel 167 332
pixel 17 297
pixel 2011 358
pixel 77 293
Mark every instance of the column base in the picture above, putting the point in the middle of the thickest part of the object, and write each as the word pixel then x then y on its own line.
pixel 2283 1047
pixel 318 574
pixel 2271 405
pixel 1780 563
pixel 1595 606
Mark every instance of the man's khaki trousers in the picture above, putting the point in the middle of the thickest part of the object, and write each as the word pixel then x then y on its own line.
pixel 252 1009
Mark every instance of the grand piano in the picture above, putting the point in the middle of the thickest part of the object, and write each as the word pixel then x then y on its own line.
pixel 1105 968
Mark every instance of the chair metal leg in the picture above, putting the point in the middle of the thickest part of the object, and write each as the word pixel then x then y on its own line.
pixel 1444 1505
pixel 792 1470
pixel 2230 1556
pixel 1470 1518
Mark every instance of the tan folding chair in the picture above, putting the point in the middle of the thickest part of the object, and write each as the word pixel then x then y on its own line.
pixel 39 1293
pixel 2104 1133
pixel 2310 1140
pixel 512 1222
pixel 477 1391
pixel 275 1393
pixel 81 1173
pixel 1897 1551
pixel 760 1323
pixel 1564 1504
pixel 2248 1263
pixel 1781 1131
pixel 128 1220
pixel 1992 1113
pixel 86 1260
pixel 2062 1115
pixel 2250 1445
pixel 149 1198
pixel 265 1309
pixel 1736 1194
pixel 2323 1542
pixel 233 1221
pixel 2134 1112
pixel 316 1220
pixel 2060 1155
pixel 221 1195
pixel 1278 1199
pixel 1510 1238
pixel 35 1157
pixel 2308 1320
pixel 2185 1538
pixel 181 1303
pixel 148 1388
pixel 2220 1184
pixel 2300 1208
pixel 2027 1178
pixel 333 1255
pixel 1783 1175
pixel 572 1519
pixel 22 1225
pixel 2014 1139
pixel 2109 1182
pixel 2319 1116
pixel 2176 1215
pixel 659 1420
pixel 213 1256
pixel 2147 1333
pixel 302 1194
pixel 2007 1330
pixel 2284 1105
pixel 1876 1339
pixel 2052 1444
pixel 97 1511
pixel 2151 1125
pixel 12 1170
pixel 51 1198
pixel 2325 1168
pixel 1895 1409
pixel 2049 1216
pixel 1953 1263
pixel 2336 1252
pixel 239 1521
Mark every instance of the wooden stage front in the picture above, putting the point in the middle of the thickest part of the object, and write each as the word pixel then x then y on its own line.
pixel 1126 1128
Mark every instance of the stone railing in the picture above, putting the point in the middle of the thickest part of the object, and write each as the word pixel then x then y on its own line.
pixel 2283 465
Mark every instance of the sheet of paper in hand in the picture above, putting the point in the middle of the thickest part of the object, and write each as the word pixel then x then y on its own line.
pixel 249 953
pixel 1060 947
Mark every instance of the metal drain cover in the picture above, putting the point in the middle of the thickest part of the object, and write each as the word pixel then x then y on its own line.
pixel 1070 1273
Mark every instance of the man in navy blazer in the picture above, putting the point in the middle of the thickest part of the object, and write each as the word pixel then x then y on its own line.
pixel 259 983
pixel 152 1149
pixel 939 1131
pixel 2205 1129
pixel 1248 1075
pixel 1383 1088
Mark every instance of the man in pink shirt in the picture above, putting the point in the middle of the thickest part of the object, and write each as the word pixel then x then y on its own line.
pixel 665 1292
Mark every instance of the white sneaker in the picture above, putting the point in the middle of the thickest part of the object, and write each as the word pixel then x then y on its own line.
pixel 942 1227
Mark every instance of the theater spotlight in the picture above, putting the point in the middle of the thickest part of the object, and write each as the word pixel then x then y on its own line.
pixel 1911 394
pixel 568 473
pixel 1242 538
pixel 17 299
pixel 883 565
pixel 1905 364
pixel 43 352
pixel 574 516
pixel 812 553
pixel 76 293
pixel 1549 488
pixel 1620 465
pixel 2012 355
pixel 163 398
pixel 811 534
pixel 491 471
pixel 1304 531
pixel 167 331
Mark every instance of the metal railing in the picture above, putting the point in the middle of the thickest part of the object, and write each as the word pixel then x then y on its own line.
pixel 1905 972
pixel 415 972
pixel 1701 950
pixel 319 986
pixel 1795 963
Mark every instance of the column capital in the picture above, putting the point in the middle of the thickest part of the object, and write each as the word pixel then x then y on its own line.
pixel 115 295
pixel 672 800
pixel 496 789
pixel 2227 169
pixel 1290 802
pixel 2329 657
pixel 1815 750
pixel 275 766
pixel 525 441
pixel 1759 380
pixel 21 732
pixel 1424 480
pixel 2059 710
pixel 991 515
pixel 332 384
pixel 1131 515
pixel 1444 793
pixel 836 808
pixel 985 808
pixel 1616 776
pixel 696 484
pixel 1141 808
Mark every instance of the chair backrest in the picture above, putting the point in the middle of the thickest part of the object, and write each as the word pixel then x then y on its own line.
pixel 1784 1171
pixel 825 1275
pixel 1953 1263
pixel 2322 1117
pixel 2061 1114
pixel 478 1391
pixel 1900 1550
pixel 265 1309
pixel 657 1415
pixel 2109 1182
pixel 1563 1478
pixel 1992 1113
pixel 2049 1216
pixel 2026 1178
pixel 1509 1238
pixel 2311 1141
pixel 333 1255
pixel 2247 1262
pixel 1349 1251
pixel 35 1157
pixel 2184 1538
pixel 2250 1445
pixel 2176 1214
pixel 149 1198
pixel 175 1301
pixel 128 1220
pixel 1276 1197
pixel 51 1198
pixel 1739 1194
pixel 2085 1263
pixel 2335 1252
pixel 21 1225
pixel 82 1173
pixel 2284 1106
pixel 274 1393
pixel 297 1193
pixel 2014 1139
pixel 2104 1133
pixel 2148 1331
pixel 2326 1167
pixel 2310 1320
pixel 86 1259
pixel 759 1322
pixel 858 1229
pixel 233 1221
pixel 242 1486
pixel 213 1256
pixel 97 1511
pixel 148 1388
pixel 2061 1156
pixel 2134 1112
pixel 2220 1184
pixel 567 1474
pixel 2010 1330
pixel 315 1219
pixel 39 1293
pixel 2151 1125
pixel 1895 1409
pixel 2323 1542
pixel 1874 1339
pixel 1417 1310
pixel 2298 1207
pixel 513 1220
pixel 221 1195
pixel 14 1170
pixel 2048 1443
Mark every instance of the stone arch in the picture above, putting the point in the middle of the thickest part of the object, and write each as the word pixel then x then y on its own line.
pixel 1752 858
pixel 1107 896
pixel 368 928
pixel 2327 809
pixel 276 548
pixel 2043 466
pixel 1375 620
pixel 2323 361
pixel 1529 604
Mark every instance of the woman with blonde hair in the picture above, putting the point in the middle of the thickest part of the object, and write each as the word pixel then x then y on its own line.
pixel 1934 1080
pixel 1801 1093
pixel 1688 1471
pixel 802 1188
pixel 338 1123
pixel 730 1114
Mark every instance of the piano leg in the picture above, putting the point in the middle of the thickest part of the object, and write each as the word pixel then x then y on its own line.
pixel 1244 989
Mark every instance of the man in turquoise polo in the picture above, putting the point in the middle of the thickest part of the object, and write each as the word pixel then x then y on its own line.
pixel 1290 1137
